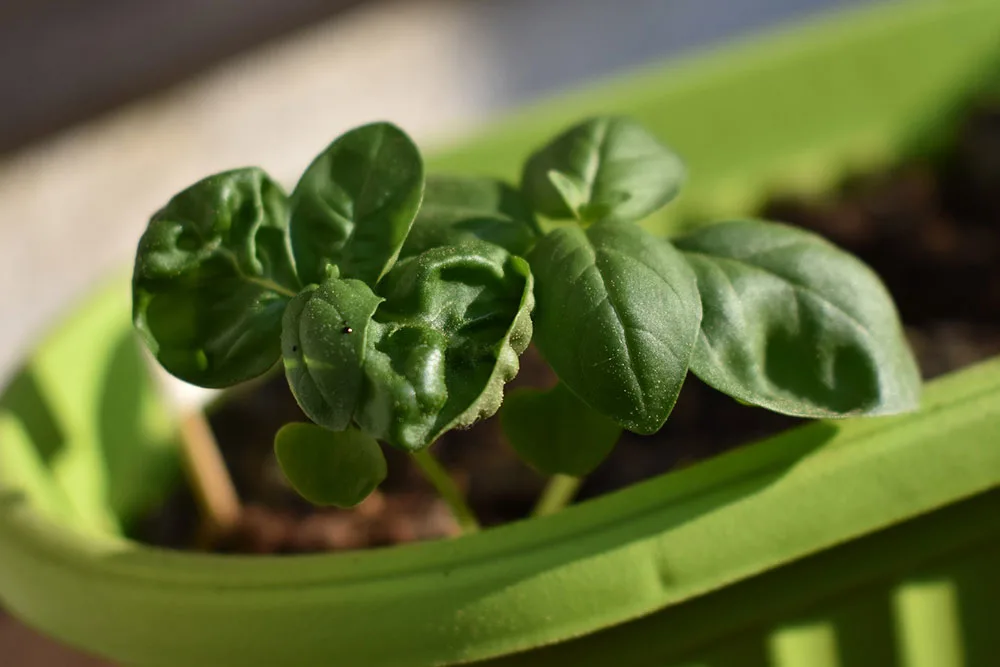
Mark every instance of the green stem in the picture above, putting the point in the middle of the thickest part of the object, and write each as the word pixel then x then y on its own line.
pixel 446 488
pixel 558 493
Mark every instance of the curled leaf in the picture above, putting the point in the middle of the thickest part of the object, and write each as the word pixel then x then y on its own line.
pixel 436 352
pixel 445 341
pixel 796 325
pixel 327 467
pixel 617 319
pixel 608 168
pixel 556 432
pixel 354 205
pixel 213 273
pixel 462 208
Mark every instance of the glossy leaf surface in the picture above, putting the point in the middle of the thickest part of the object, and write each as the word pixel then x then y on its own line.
pixel 355 203
pixel 323 348
pixel 436 352
pixel 328 467
pixel 213 273
pixel 618 315
pixel 794 324
pixel 556 432
pixel 607 168
pixel 444 342
pixel 457 209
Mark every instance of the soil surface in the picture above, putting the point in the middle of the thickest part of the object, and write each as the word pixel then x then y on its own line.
pixel 930 229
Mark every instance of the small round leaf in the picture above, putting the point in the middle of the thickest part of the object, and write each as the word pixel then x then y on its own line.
pixel 329 467
pixel 556 432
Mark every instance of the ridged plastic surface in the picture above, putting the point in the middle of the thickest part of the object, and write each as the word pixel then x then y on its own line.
pixel 858 543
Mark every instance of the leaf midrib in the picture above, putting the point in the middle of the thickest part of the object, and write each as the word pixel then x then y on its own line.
pixel 216 246
pixel 633 376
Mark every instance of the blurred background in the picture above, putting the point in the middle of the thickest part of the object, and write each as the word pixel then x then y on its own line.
pixel 110 106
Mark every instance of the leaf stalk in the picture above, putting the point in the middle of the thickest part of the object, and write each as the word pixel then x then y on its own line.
pixel 558 493
pixel 447 489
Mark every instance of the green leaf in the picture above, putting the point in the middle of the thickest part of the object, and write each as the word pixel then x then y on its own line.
pixel 213 273
pixel 323 347
pixel 617 318
pixel 556 432
pixel 444 342
pixel 435 353
pixel 457 209
pixel 608 168
pixel 793 324
pixel 571 190
pixel 354 205
pixel 327 467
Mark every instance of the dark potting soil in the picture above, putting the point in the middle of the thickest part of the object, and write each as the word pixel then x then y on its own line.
pixel 930 229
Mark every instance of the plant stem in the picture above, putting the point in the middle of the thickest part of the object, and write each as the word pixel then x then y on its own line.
pixel 446 488
pixel 558 493
pixel 271 285
pixel 210 481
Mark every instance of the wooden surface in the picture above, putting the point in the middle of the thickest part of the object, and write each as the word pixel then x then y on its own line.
pixel 23 647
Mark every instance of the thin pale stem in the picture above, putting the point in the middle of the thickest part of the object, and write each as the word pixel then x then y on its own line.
pixel 558 493
pixel 271 285
pixel 209 478
pixel 446 488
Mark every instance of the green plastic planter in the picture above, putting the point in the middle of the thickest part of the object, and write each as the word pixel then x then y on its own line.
pixel 854 543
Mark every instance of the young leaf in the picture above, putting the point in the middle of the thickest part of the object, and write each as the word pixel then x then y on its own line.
pixel 444 342
pixel 435 353
pixel 354 205
pixel 462 208
pixel 327 467
pixel 556 432
pixel 793 324
pixel 213 273
pixel 618 315
pixel 323 347
pixel 606 168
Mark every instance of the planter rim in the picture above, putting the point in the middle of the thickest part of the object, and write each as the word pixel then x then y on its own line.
pixel 787 451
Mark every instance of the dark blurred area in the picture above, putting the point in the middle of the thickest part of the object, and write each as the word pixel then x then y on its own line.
pixel 62 61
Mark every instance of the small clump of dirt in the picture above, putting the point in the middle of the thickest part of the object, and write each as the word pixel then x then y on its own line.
pixel 931 230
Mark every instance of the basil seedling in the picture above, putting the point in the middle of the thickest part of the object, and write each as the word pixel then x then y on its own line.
pixel 399 304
